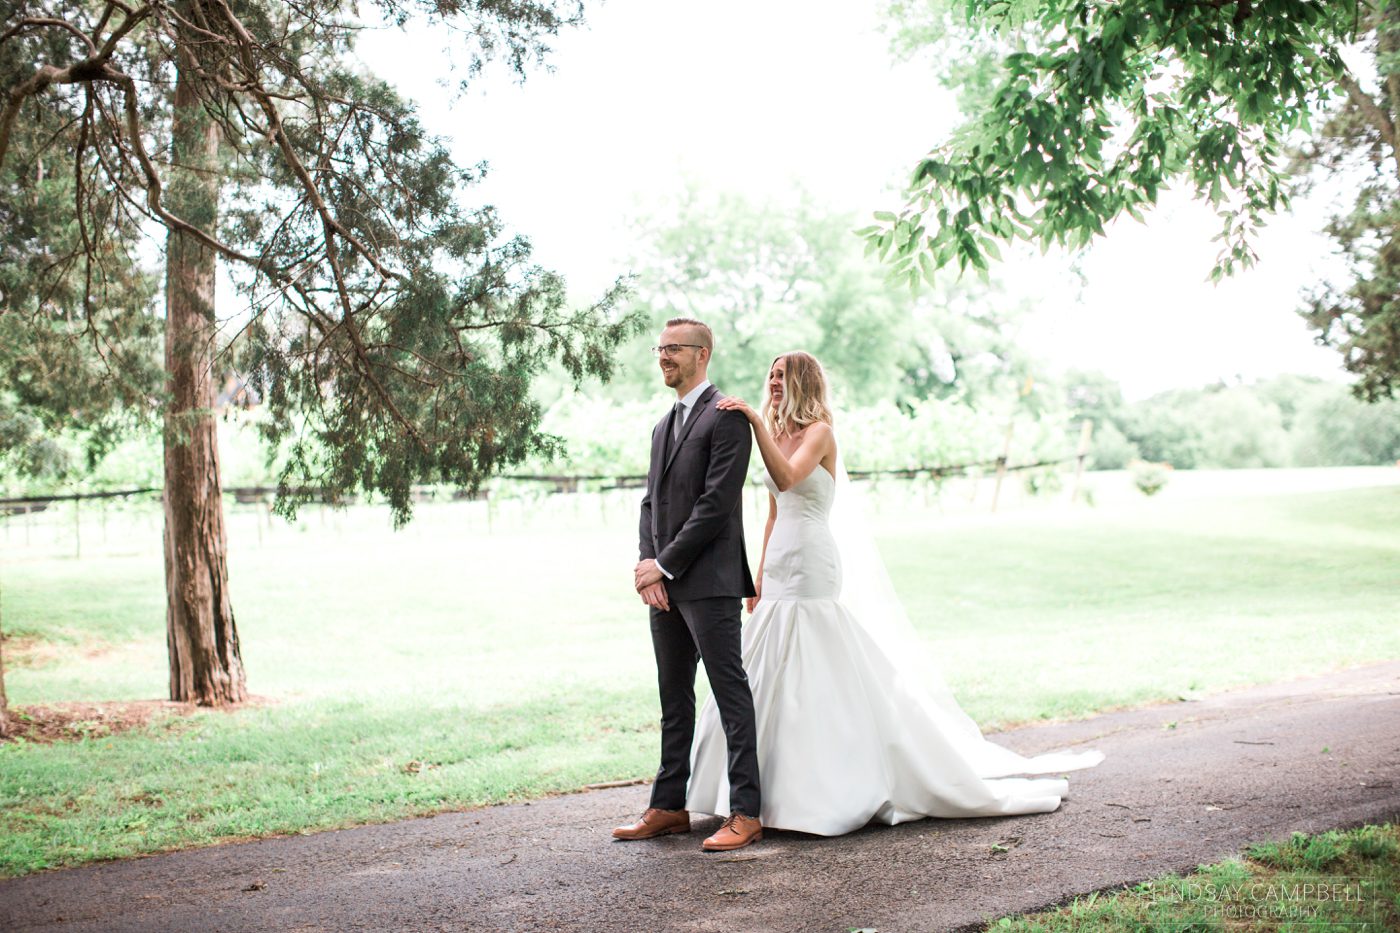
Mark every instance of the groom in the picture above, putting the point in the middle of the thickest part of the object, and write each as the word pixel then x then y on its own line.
pixel 692 573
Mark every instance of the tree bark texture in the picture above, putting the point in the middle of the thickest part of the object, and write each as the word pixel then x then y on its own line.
pixel 205 664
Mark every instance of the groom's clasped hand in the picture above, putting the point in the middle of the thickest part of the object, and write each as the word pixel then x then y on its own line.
pixel 650 586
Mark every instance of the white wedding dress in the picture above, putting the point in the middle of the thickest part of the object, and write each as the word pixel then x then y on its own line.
pixel 846 732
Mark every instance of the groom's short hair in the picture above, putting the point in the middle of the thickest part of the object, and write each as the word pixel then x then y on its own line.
pixel 703 336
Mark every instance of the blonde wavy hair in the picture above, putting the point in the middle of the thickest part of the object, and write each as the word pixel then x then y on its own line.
pixel 804 395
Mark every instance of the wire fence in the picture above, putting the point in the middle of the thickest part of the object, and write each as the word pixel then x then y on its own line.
pixel 59 524
pixel 560 483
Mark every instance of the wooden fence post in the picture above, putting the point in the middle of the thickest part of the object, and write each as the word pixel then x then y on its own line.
pixel 1085 433
pixel 1001 463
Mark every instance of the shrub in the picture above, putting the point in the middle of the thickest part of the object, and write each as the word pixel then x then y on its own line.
pixel 1150 477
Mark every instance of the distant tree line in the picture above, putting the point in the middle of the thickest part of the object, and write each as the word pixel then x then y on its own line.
pixel 1285 421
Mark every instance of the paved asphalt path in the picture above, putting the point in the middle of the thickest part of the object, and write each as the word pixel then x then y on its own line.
pixel 1236 767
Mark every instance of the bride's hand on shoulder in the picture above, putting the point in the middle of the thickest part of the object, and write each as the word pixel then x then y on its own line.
pixel 734 403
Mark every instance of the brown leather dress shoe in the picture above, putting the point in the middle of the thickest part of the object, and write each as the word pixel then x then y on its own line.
pixel 737 832
pixel 654 823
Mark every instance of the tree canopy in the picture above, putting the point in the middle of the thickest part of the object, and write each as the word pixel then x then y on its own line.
pixel 1079 112
pixel 391 327
pixel 783 273
pixel 768 276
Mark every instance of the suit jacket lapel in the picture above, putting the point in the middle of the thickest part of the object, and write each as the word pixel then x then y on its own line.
pixel 658 452
pixel 701 408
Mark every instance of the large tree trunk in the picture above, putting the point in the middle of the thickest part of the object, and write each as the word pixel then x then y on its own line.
pixel 205 665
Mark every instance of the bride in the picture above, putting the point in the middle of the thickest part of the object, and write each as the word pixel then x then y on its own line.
pixel 852 727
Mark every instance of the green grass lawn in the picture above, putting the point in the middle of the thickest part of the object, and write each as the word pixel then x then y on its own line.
pixel 484 656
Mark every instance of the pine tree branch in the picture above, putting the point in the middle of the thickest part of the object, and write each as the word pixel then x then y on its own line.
pixel 89 69
pixel 41 21
pixel 294 162
pixel 43 76
pixel 154 187
pixel 331 226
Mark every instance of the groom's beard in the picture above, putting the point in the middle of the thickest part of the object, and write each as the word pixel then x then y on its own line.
pixel 675 376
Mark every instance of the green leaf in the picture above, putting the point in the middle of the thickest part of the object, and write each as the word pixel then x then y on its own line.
pixel 928 266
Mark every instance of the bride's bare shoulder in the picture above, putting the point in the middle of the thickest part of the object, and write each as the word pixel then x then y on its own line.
pixel 820 430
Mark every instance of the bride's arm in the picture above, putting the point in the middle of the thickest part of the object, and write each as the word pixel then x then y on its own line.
pixel 816 443
pixel 767 532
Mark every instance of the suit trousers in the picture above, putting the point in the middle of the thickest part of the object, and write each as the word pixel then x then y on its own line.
pixel 708 630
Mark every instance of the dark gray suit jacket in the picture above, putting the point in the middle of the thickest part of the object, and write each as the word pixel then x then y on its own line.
pixel 692 514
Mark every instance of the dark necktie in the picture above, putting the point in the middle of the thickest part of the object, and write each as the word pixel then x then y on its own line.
pixel 677 413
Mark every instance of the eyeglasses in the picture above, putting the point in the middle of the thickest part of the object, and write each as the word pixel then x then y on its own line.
pixel 671 349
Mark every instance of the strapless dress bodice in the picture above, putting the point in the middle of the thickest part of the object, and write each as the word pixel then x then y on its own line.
pixel 801 561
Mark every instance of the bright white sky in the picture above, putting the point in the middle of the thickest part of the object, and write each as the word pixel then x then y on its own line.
pixel 754 96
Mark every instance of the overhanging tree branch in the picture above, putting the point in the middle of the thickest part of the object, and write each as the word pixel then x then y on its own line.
pixel 1379 119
